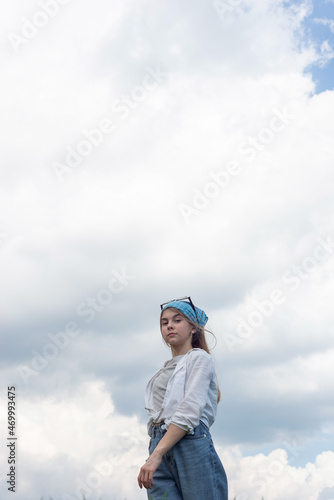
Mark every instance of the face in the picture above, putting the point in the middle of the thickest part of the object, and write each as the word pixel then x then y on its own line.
pixel 176 331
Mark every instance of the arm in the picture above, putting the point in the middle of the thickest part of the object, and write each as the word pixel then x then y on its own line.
pixel 172 436
pixel 187 415
pixel 200 372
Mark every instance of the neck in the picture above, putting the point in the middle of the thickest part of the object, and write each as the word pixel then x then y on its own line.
pixel 178 352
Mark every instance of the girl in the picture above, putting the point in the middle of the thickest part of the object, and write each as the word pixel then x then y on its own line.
pixel 181 400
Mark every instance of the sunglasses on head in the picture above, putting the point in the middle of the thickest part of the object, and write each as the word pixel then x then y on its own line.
pixel 182 299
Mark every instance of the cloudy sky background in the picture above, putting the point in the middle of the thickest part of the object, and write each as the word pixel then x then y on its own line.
pixel 212 176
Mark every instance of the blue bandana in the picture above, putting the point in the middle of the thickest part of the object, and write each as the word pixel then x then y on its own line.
pixel 199 318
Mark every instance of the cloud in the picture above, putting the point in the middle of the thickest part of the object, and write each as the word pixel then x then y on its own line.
pixel 231 128
pixel 272 477
pixel 89 447
pixel 326 22
pixel 93 449
pixel 327 494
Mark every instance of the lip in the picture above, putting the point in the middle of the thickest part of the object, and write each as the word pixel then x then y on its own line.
pixel 171 334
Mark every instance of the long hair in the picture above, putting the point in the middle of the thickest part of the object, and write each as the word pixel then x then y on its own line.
pixel 199 340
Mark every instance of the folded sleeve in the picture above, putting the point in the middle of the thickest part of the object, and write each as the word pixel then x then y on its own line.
pixel 200 371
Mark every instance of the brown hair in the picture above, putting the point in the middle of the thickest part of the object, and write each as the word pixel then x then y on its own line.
pixel 199 340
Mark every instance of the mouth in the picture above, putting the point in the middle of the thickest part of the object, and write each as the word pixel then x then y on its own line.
pixel 171 334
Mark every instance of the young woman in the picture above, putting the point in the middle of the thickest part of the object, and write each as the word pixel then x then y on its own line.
pixel 181 400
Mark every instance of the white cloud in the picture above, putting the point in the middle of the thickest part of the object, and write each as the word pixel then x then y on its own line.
pixel 88 446
pixel 92 449
pixel 325 22
pixel 225 82
pixel 272 478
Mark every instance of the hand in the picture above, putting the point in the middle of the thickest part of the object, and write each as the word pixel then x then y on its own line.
pixel 145 477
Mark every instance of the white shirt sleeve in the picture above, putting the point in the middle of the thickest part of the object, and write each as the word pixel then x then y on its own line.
pixel 200 372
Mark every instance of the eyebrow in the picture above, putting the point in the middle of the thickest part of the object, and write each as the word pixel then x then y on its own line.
pixel 175 315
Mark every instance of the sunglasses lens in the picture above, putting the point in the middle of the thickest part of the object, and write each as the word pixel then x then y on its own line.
pixel 183 299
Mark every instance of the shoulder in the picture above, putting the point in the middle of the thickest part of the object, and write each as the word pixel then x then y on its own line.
pixel 196 352
pixel 198 355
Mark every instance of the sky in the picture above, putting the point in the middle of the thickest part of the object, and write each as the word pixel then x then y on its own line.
pixel 152 151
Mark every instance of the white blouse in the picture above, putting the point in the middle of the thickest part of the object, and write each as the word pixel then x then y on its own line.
pixel 160 382
pixel 191 394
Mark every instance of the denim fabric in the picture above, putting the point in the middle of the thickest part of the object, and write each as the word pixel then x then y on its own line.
pixel 191 470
